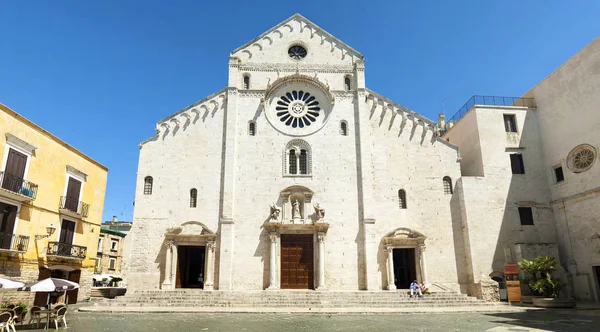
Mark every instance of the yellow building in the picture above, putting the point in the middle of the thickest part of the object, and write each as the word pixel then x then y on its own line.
pixel 51 201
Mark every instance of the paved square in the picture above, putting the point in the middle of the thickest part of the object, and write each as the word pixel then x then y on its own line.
pixel 551 320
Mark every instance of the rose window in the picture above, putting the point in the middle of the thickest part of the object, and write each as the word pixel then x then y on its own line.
pixel 581 158
pixel 298 109
pixel 297 52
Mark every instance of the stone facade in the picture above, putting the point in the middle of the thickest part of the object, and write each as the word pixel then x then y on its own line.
pixel 296 144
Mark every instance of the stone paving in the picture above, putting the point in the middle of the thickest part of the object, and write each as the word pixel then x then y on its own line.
pixel 525 320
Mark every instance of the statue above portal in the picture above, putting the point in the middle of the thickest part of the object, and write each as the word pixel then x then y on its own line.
pixel 319 211
pixel 274 212
pixel 296 210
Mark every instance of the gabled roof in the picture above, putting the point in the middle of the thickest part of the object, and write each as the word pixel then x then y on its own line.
pixel 309 24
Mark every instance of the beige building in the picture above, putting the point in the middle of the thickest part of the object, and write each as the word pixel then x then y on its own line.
pixel 297 176
pixel 109 258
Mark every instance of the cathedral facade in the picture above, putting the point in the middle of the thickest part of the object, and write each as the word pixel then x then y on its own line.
pixel 298 176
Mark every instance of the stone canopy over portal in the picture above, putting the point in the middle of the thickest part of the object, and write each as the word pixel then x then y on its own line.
pixel 405 238
pixel 195 234
pixel 297 219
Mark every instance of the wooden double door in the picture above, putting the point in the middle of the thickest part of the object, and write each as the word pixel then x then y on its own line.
pixel 297 261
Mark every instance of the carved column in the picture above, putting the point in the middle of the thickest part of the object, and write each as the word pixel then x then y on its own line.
pixel 423 264
pixel 168 257
pixel 273 284
pixel 418 265
pixel 209 261
pixel 321 240
pixel 390 268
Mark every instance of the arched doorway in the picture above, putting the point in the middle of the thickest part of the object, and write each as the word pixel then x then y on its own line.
pixel 405 258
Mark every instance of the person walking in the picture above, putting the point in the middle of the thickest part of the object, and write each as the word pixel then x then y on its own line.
pixel 414 286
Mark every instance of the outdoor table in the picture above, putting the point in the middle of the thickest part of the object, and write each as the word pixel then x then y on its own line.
pixel 47 312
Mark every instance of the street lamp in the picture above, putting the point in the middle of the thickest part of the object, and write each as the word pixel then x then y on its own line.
pixel 49 230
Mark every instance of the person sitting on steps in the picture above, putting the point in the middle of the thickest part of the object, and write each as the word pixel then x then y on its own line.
pixel 424 288
pixel 414 286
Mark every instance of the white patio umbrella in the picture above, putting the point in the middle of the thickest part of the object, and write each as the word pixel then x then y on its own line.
pixel 6 284
pixel 10 283
pixel 50 285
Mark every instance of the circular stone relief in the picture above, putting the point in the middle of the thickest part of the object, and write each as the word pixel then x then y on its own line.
pixel 297 109
pixel 581 158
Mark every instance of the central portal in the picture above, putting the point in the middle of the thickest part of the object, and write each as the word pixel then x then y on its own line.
pixel 297 267
pixel 190 267
pixel 404 267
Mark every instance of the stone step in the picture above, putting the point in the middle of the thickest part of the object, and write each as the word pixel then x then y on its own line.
pixel 287 299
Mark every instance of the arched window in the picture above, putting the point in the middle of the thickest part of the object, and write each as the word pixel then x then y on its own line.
pixel 252 128
pixel 343 128
pixel 347 85
pixel 246 82
pixel 402 198
pixel 148 185
pixel 193 197
pixel 297 158
pixel 447 185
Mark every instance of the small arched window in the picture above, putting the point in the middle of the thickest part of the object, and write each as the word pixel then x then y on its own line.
pixel 252 128
pixel 193 197
pixel 148 185
pixel 347 84
pixel 343 128
pixel 402 198
pixel 246 82
pixel 447 185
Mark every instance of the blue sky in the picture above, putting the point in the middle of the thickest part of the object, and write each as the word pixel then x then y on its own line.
pixel 99 74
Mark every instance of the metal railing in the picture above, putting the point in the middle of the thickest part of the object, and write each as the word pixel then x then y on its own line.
pixel 18 185
pixel 14 242
pixel 488 100
pixel 66 250
pixel 74 205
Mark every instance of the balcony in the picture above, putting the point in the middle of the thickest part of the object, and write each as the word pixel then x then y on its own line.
pixel 490 101
pixel 66 250
pixel 17 188
pixel 73 207
pixel 14 242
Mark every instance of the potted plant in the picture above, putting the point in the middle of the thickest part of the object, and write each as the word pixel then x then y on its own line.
pixel 544 287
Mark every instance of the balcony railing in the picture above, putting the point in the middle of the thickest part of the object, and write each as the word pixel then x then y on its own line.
pixel 18 185
pixel 78 207
pixel 66 250
pixel 9 241
pixel 488 100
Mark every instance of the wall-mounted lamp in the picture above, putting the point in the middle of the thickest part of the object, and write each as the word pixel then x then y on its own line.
pixel 49 230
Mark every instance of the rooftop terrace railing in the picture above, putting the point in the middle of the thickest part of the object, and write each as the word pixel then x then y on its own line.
pixel 488 100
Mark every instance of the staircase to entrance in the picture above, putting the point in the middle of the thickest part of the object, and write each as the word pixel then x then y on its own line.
pixel 293 299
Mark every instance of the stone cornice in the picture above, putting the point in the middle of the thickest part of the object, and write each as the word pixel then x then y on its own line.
pixel 296 21
pixel 299 67
pixel 190 114
pixel 299 78
pixel 407 112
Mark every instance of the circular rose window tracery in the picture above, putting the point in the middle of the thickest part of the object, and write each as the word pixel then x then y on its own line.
pixel 581 158
pixel 298 109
